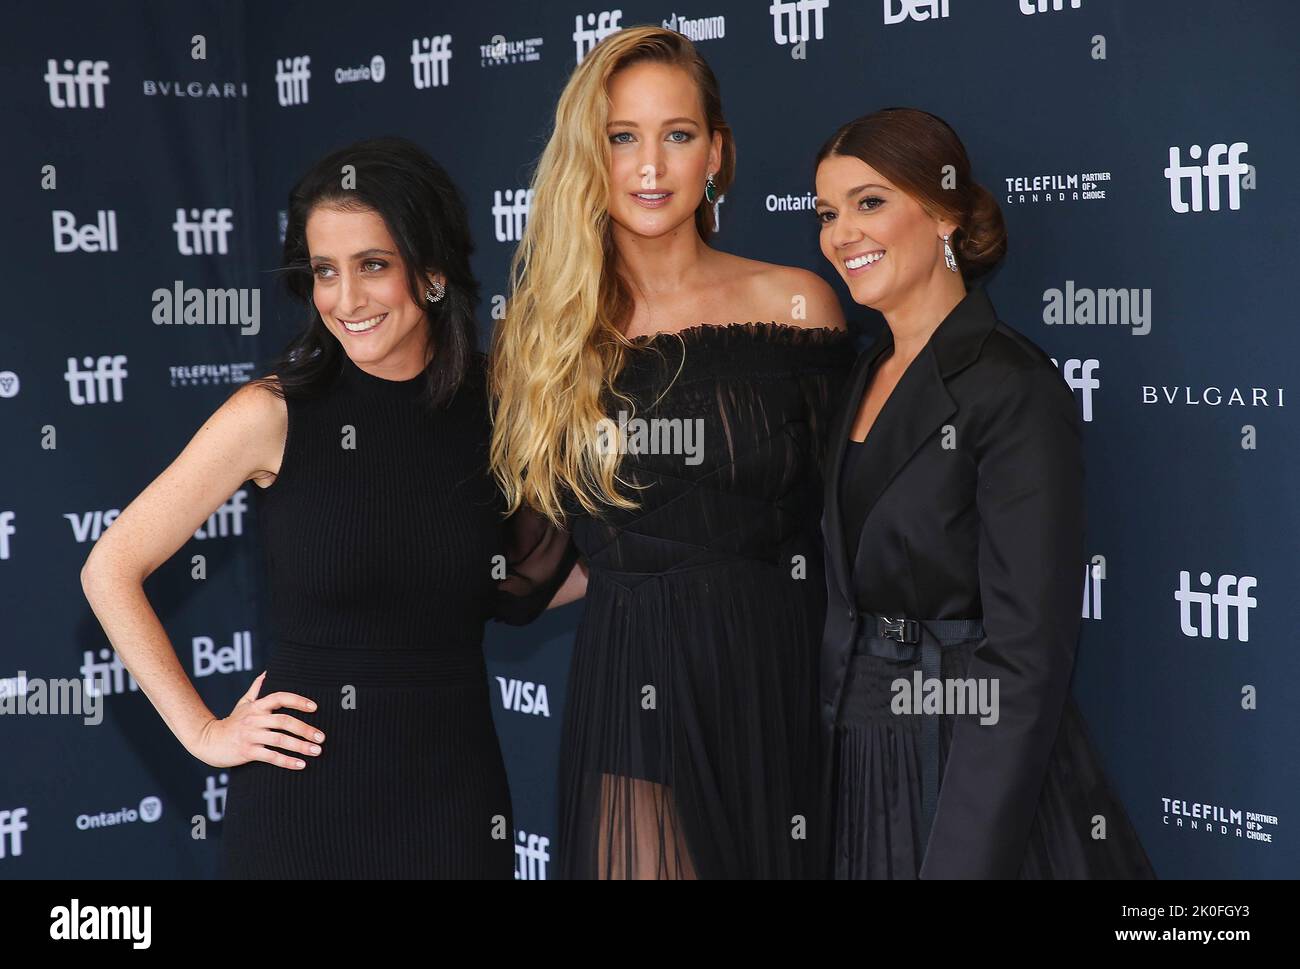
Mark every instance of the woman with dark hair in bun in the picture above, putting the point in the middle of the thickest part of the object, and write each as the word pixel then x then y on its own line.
pixel 367 748
pixel 954 528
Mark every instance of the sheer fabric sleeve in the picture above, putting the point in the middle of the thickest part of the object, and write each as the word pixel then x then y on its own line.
pixel 539 556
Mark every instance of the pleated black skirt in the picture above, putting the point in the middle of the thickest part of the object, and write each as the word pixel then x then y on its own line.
pixel 878 789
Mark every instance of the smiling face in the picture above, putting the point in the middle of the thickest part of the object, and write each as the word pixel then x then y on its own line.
pixel 660 148
pixel 880 240
pixel 360 290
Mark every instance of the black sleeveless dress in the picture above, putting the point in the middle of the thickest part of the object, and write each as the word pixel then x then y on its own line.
pixel 690 732
pixel 380 535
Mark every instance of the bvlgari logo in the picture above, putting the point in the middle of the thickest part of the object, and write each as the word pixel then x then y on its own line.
pixel 1214 396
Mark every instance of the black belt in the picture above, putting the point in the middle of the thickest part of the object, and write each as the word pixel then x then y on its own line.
pixel 901 639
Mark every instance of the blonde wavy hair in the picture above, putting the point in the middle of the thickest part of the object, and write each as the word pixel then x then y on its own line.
pixel 557 353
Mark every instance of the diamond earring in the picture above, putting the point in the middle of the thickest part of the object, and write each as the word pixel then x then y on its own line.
pixel 948 256
pixel 435 292
pixel 710 189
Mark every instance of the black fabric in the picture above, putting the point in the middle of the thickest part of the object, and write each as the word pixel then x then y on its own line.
pixel 383 561
pixel 690 738
pixel 969 488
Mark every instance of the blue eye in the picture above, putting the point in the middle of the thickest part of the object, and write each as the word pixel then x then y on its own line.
pixel 684 140
pixel 614 137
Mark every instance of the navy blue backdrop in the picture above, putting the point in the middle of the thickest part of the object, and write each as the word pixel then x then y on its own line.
pixel 1136 147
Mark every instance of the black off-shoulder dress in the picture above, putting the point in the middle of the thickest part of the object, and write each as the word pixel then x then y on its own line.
pixel 690 744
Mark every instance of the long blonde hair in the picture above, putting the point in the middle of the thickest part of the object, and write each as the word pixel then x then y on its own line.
pixel 561 347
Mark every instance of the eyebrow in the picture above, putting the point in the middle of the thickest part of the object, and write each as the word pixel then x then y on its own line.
pixel 361 255
pixel 818 200
pixel 633 124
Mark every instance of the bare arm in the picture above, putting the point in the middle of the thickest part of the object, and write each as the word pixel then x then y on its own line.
pixel 242 440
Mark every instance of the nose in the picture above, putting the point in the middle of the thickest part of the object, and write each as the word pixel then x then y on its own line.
pixel 650 165
pixel 351 295
pixel 844 232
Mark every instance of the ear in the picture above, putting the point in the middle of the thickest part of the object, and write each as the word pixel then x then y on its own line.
pixel 946 227
pixel 715 153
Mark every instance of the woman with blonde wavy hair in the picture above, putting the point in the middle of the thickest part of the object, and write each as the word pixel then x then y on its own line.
pixel 666 402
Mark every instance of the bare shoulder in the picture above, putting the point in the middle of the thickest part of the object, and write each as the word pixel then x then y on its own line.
pixel 788 294
pixel 262 416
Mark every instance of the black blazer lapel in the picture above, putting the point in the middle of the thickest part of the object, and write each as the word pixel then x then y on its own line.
pixel 918 406
pixel 833 532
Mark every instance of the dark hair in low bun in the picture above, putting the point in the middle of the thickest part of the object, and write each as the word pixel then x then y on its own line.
pixel 914 149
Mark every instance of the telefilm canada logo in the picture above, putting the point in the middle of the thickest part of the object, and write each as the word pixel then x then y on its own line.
pixel 1215 820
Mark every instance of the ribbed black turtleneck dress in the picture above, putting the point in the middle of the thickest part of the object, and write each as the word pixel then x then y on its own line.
pixel 380 533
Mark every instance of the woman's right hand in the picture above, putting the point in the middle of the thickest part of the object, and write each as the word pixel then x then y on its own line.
pixel 245 735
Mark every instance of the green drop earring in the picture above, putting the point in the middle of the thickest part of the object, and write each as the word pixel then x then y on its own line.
pixel 710 190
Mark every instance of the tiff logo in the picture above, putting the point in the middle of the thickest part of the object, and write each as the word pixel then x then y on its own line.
pixel 599 26
pixel 107 676
pixel 97 236
pixel 509 212
pixel 69 90
pixel 6 529
pixel 291 77
pixel 1233 592
pixel 790 20
pixel 915 9
pixel 1094 573
pixel 94 386
pixel 1041 6
pixel 214 795
pixel 531 857
pixel 1213 169
pixel 226 520
pixel 431 61
pixel 1078 375
pixel 12 826
pixel 204 232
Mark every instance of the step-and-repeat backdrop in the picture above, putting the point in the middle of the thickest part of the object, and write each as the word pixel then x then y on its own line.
pixel 1139 151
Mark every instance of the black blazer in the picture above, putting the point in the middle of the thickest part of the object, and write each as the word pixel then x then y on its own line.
pixel 973 480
